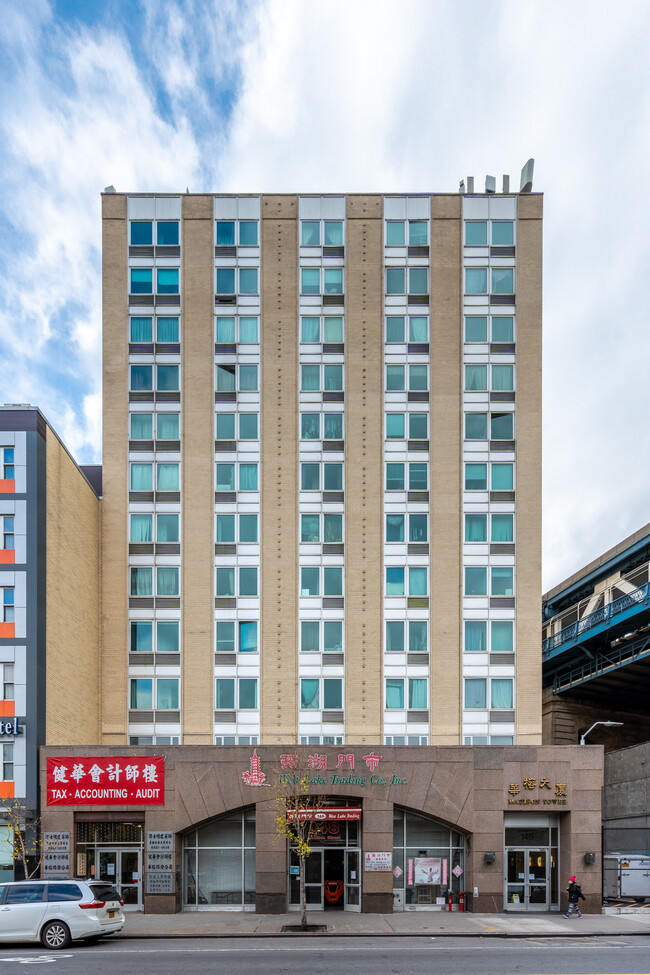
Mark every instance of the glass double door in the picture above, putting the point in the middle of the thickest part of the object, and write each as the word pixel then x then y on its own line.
pixel 123 869
pixel 332 880
pixel 527 879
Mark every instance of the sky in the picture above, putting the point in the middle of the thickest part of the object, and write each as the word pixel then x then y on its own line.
pixel 343 96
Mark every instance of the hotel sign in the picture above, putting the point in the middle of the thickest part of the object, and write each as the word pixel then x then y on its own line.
pixel 106 781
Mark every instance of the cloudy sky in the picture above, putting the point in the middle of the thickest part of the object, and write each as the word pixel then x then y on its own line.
pixel 336 96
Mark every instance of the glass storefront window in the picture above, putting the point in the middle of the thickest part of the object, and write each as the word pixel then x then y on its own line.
pixel 427 852
pixel 219 863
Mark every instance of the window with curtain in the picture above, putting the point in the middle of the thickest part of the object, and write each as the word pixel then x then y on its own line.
pixel 167 329
pixel 502 528
pixel 503 280
pixel 225 329
pixel 310 477
pixel 394 693
pixel 225 477
pixel 141 528
pixel 309 528
pixel 333 377
pixel 225 580
pixel 248 280
pixel 502 636
pixel 309 636
pixel 333 636
pixel 141 693
pixel 418 280
pixel 476 636
pixel 141 330
pixel 475 581
pixel 167 232
pixel 475 693
pixel 394 528
pixel 417 528
pixel 333 329
pixel 503 233
pixel 141 636
pixel 308 694
pixel 167 280
pixel 225 636
pixel 248 693
pixel 332 581
pixel 476 426
pixel 248 477
pixel 418 693
pixel 141 581
pixel 333 233
pixel 167 581
pixel 310 328
pixel 248 637
pixel 248 426
pixel 225 233
pixel 475 378
pixel 395 328
pixel 310 426
pixel 168 426
pixel 394 477
pixel 310 280
pixel 333 426
pixel 394 581
pixel 248 528
pixel 167 694
pixel 395 426
pixel 309 580
pixel 502 580
pixel 248 378
pixel 167 528
pixel 418 328
pixel 310 378
pixel 225 280
pixel 476 280
pixel 395 378
pixel 476 233
pixel 418 426
pixel 310 233
pixel 249 330
pixel 141 378
pixel 418 477
pixel 394 636
pixel 500 693
pixel 167 378
pixel 333 477
pixel 225 529
pixel 332 528
pixel 225 694
pixel 418 377
pixel 503 378
pixel 502 477
pixel 476 477
pixel 395 280
pixel 141 426
pixel 141 477
pixel 332 693
pixel 417 581
pixel 167 636
pixel 333 280
pixel 395 233
pixel 141 232
pixel 476 328
pixel 248 233
pixel 418 636
pixel 167 477
pixel 141 280
pixel 503 328
pixel 475 528
pixel 247 581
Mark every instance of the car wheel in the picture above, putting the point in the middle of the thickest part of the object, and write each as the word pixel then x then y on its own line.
pixel 56 935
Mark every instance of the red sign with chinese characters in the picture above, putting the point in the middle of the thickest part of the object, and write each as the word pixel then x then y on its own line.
pixel 106 781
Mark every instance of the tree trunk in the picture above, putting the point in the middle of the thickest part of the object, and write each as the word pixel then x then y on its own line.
pixel 303 894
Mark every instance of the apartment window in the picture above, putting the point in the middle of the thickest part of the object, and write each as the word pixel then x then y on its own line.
pixel 167 581
pixel 247 694
pixel 309 580
pixel 476 280
pixel 394 580
pixel 167 232
pixel 225 636
pixel 418 377
pixel 141 378
pixel 394 426
pixel 167 528
pixel 395 693
pixel 476 328
pixel 417 636
pixel 248 528
pixel 503 233
pixel 7 750
pixel 332 233
pixel 476 528
pixel 501 636
pixel 501 696
pixel 396 233
pixel 167 378
pixel 7 463
pixel 309 694
pixel 475 636
pixel 310 477
pixel 141 233
pixel 475 377
pixel 476 426
pixel 418 477
pixel 246 634
pixel 418 328
pixel 247 576
pixel 248 278
pixel 243 329
pixel 141 693
pixel 168 427
pixel 502 528
pixel 167 477
pixel 332 693
pixel 502 580
pixel 141 528
pixel 309 636
pixel 141 636
pixel 418 642
pixel 503 328
pixel 167 329
pixel 243 232
pixel 503 378
pixel 475 693
pixel 394 636
pixel 330 327
pixel 476 233
pixel 396 279
pixel 141 329
pixel 248 477
pixel 167 636
pixel 395 528
pixel 475 476
pixel 395 378
pixel 333 426
pixel 395 328
pixel 418 697
pixel 394 477
pixel 310 426
pixel 502 426
pixel 8 612
pixel 475 580
pixel 141 581
pixel 503 280
pixel 332 581
pixel 332 636
pixel 418 426
pixel 7 537
pixel 167 694
pixel 7 673
pixel 141 281
pixel 167 280
pixel 225 693
pixel 310 528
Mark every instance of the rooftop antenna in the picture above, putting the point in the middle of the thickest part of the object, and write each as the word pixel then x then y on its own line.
pixel 526 184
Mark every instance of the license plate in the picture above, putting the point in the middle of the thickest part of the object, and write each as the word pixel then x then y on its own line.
pixel 112 913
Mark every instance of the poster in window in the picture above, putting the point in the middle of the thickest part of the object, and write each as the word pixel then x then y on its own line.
pixel 427 870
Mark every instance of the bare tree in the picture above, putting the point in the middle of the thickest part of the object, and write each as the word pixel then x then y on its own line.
pixel 24 837
pixel 296 808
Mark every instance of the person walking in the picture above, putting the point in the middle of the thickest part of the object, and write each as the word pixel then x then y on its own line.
pixel 575 895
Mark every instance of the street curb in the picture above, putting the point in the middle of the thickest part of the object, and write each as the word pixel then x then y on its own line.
pixel 383 934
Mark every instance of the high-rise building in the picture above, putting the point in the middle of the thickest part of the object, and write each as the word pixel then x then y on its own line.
pixel 322 469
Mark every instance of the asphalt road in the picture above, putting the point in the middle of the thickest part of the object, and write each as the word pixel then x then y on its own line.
pixel 332 956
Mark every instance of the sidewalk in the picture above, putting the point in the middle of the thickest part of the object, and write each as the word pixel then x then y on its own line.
pixel 226 924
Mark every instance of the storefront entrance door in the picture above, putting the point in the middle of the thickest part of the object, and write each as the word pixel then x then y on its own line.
pixel 527 879
pixel 123 869
pixel 352 880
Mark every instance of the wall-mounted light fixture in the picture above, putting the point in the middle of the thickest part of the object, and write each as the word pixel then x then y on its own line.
pixel 590 857
pixel 490 857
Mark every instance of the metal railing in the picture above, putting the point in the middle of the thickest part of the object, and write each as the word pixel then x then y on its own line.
pixel 603 615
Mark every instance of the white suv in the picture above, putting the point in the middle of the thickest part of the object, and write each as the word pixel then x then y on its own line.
pixel 59 911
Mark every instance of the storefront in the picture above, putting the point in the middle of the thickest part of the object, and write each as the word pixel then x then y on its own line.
pixel 395 828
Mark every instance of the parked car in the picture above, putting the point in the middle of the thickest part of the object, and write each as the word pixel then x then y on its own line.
pixel 57 912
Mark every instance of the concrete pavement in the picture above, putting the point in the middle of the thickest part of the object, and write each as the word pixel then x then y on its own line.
pixel 437 924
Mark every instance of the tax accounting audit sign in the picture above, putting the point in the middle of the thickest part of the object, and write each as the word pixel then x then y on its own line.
pixel 106 781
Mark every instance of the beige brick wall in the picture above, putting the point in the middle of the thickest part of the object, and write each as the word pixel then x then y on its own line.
pixel 115 471
pixel 445 472
pixel 197 446
pixel 72 602
pixel 529 468
pixel 279 469
pixel 363 470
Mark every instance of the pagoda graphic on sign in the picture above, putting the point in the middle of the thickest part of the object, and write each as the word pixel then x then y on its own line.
pixel 255 776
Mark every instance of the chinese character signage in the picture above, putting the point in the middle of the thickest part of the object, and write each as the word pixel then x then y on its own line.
pixel 378 862
pixel 537 792
pixel 106 781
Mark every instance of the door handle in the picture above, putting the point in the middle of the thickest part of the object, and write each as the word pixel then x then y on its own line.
pixel 5 908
